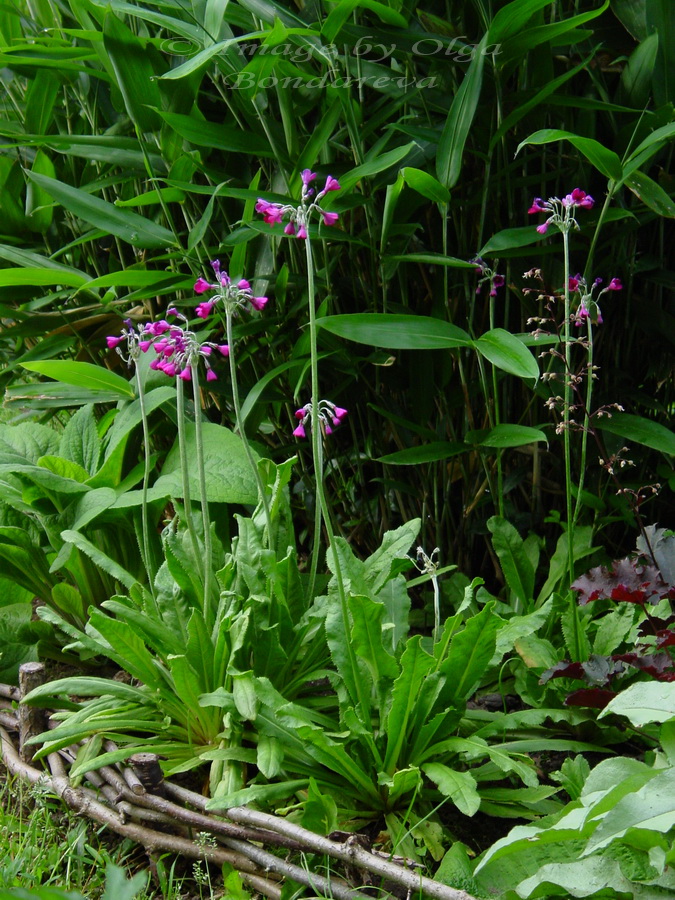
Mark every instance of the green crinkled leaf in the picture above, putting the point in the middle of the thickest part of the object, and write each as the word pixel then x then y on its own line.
pixel 29 441
pixel 17 643
pixel 80 442
pixel 644 702
pixel 460 787
pixel 229 478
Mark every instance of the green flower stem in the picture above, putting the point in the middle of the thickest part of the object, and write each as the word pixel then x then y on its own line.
pixel 322 510
pixel 314 418
pixel 180 406
pixel 146 479
pixel 242 433
pixel 567 440
pixel 587 418
pixel 206 523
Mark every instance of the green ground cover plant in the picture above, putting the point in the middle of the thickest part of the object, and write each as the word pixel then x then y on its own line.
pixel 269 258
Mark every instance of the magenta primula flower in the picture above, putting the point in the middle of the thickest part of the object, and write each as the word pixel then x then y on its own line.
pixel 328 415
pixel 233 296
pixel 561 211
pixel 300 216
pixel 487 275
pixel 588 308
pixel 178 349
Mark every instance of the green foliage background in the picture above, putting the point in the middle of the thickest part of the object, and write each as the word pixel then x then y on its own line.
pixel 138 135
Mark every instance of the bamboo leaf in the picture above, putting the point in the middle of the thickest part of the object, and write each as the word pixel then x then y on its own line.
pixel 460 120
pixel 127 225
pixel 83 375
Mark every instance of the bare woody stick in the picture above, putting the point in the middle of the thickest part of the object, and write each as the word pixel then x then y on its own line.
pixel 32 719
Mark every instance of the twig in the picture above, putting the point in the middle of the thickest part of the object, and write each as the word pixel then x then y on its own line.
pixel 83 804
pixel 355 856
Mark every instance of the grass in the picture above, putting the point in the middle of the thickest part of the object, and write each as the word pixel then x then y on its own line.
pixel 48 852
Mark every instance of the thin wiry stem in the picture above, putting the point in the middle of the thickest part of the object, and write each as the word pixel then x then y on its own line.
pixel 146 478
pixel 206 523
pixel 180 405
pixel 240 428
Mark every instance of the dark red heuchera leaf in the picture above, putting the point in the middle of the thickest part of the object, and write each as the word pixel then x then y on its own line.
pixel 665 638
pixel 653 626
pixel 563 669
pixel 658 665
pixel 595 697
pixel 628 581
pixel 597 670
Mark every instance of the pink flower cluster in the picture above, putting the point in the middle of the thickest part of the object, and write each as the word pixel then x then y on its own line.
pixel 298 221
pixel 588 307
pixel 238 294
pixel 328 414
pixel 177 348
pixel 496 281
pixel 561 209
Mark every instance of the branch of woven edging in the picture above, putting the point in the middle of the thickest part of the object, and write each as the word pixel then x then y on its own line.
pixel 188 817
pixel 10 691
pixel 9 721
pixel 353 855
pixel 83 803
pixel 350 853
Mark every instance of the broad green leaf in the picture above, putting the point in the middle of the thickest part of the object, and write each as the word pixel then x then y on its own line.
pixel 638 72
pixel 396 331
pixel 127 225
pixel 651 194
pixel 460 787
pixel 459 121
pixel 425 184
pixel 430 259
pixel 374 166
pixel 604 160
pixel 644 702
pixel 64 468
pixel 432 452
pixel 504 435
pixel 511 19
pixel 507 352
pixel 640 430
pixel 38 277
pixel 551 33
pixel 508 239
pixel 517 569
pixel 128 648
pixel 43 90
pixel 83 375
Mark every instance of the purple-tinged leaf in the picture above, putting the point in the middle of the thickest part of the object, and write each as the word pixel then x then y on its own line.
pixel 594 697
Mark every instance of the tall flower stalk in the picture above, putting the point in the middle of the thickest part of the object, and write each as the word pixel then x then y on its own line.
pixel 133 339
pixel 319 414
pixel 178 353
pixel 298 220
pixel 233 297
pixel 561 215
